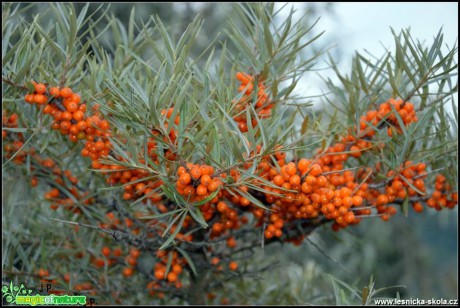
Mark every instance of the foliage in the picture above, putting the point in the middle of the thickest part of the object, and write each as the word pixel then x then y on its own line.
pixel 161 172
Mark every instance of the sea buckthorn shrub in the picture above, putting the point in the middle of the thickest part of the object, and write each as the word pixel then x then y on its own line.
pixel 159 174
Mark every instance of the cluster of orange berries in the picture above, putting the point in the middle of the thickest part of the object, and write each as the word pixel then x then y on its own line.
pixel 44 274
pixel 262 105
pixel 315 194
pixel 64 178
pixel 97 143
pixel 13 145
pixel 173 132
pixel 10 121
pixel 387 112
pixel 232 265
pixel 111 221
pixel 442 196
pixel 64 107
pixel 197 182
pixel 229 220
pixel 113 256
pixel 160 270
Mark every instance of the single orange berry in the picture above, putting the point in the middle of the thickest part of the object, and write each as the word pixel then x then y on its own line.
pixel 134 252
pixel 117 252
pixel 55 92
pixel 72 107
pixel 177 269
pixel 75 98
pixel 205 179
pixel 233 266
pixel 40 88
pixel 66 92
pixel 316 170
pixel 215 261
pixel 29 98
pixel 105 251
pixel 382 199
pixel 128 271
pixel 104 125
pixel 222 207
pixel 172 277
pixel 195 173
pixel 78 115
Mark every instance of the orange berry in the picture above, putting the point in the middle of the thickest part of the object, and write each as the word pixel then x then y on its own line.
pixel 40 88
pixel 78 115
pixel 160 274
pixel 205 179
pixel 29 98
pixel 231 242
pixel 134 252
pixel 117 252
pixel 99 262
pixel 215 260
pixel 278 180
pixel 75 98
pixel 65 125
pixel 408 173
pixel 81 135
pixel 214 185
pixel 382 199
pixel 357 200
pixel 105 251
pixel 185 178
pixel 172 277
pixel 40 99
pixel 321 181
pixel 177 269
pixel 222 207
pixel 201 190
pixel 233 266
pixel 131 260
pixel 73 129
pixel 181 170
pixel 349 217
pixel 128 271
pixel 43 273
pixel 291 169
pixel 397 185
pixel 104 125
pixel 195 173
pixel 302 165
pixel 217 227
pixel 294 180
pixel 72 107
pixel 316 170
pixel 67 116
pixel 55 92
pixel 66 92
pixel 81 125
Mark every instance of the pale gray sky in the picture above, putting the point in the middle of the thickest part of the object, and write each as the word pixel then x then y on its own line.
pixel 364 25
pixel 358 26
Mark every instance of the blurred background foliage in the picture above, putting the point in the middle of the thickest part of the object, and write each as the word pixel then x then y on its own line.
pixel 419 252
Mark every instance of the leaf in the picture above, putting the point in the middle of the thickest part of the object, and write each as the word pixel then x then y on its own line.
pixel 188 259
pixel 198 216
pixel 168 264
pixel 174 234
pixel 156 216
pixel 405 206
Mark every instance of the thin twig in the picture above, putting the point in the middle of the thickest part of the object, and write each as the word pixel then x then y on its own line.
pixel 12 83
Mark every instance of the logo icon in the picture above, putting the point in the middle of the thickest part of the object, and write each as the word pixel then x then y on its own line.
pixel 13 291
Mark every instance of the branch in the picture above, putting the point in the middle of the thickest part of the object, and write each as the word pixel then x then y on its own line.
pixel 12 83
